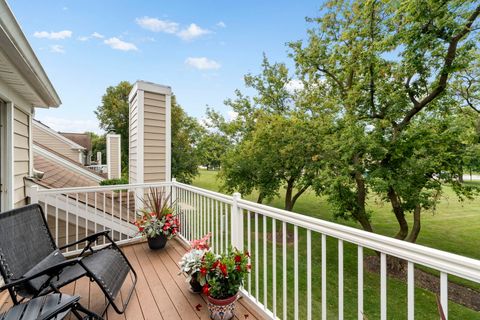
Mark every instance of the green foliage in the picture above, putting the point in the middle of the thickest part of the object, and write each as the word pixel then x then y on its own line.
pixel 222 275
pixel 211 149
pixel 275 145
pixel 112 182
pixel 186 134
pixel 99 144
pixel 380 72
pixel 113 114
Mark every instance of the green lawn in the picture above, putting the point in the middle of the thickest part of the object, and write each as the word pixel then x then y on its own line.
pixel 460 221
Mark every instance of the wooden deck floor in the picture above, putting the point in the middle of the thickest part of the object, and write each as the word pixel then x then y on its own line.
pixel 161 293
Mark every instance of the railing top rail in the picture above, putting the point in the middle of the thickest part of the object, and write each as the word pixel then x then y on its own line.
pixel 104 188
pixel 450 263
pixel 215 195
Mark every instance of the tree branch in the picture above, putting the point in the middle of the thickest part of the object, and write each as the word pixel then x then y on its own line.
pixel 444 73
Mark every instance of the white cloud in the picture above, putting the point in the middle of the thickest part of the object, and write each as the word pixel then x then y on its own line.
pixel 202 63
pixel 221 24
pixel 57 48
pixel 118 44
pixel 157 25
pixel 69 125
pixel 294 85
pixel 193 31
pixel 53 35
pixel 97 35
pixel 84 38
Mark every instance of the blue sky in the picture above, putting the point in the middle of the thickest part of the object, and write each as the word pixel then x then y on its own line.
pixel 201 49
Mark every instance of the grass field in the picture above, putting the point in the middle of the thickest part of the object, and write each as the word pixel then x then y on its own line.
pixel 453 227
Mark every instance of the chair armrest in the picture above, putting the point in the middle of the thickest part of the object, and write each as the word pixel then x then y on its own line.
pixel 52 271
pixel 90 238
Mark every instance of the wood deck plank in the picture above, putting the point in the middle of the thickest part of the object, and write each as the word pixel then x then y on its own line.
pixel 194 299
pixel 241 310
pixel 148 304
pixel 133 311
pixel 157 287
pixel 184 309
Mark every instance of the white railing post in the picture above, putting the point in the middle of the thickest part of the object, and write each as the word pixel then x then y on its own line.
pixel 236 223
pixel 32 192
pixel 173 194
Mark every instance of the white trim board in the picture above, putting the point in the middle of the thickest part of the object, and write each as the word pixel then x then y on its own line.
pixel 66 163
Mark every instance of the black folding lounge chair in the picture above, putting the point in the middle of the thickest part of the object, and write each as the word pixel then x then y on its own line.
pixel 51 306
pixel 27 247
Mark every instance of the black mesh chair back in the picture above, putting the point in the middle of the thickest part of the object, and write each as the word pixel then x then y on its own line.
pixel 24 241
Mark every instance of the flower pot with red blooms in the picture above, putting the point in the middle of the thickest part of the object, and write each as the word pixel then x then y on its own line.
pixel 221 277
pixel 157 221
pixel 191 262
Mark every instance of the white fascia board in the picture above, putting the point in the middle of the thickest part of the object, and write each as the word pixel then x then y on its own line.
pixel 44 153
pixel 55 134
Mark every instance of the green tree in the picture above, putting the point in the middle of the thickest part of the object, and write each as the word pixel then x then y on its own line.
pixel 211 148
pixel 274 146
pixel 380 66
pixel 113 115
pixel 99 144
pixel 186 134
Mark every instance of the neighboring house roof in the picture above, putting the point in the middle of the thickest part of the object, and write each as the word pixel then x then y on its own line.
pixel 19 66
pixel 61 172
pixel 47 129
pixel 82 139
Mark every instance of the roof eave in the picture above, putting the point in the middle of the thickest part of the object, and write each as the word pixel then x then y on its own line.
pixel 20 53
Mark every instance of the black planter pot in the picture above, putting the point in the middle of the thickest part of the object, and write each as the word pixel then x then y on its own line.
pixel 195 285
pixel 157 242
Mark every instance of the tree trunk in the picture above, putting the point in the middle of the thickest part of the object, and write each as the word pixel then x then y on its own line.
pixel 288 195
pixel 260 197
pixel 297 195
pixel 360 213
pixel 399 214
pixel 416 225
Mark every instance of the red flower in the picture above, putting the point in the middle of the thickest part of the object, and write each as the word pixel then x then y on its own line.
pixel 215 264
pixel 223 269
pixel 152 214
pixel 206 290
pixel 239 268
pixel 238 259
pixel 249 266
pixel 203 271
pixel 141 229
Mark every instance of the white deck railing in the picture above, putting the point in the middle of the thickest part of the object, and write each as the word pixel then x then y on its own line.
pixel 264 232
pixel 100 168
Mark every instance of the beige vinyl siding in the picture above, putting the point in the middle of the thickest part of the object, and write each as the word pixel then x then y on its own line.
pixel 133 140
pixel 113 157
pixel 21 156
pixel 154 137
pixel 54 143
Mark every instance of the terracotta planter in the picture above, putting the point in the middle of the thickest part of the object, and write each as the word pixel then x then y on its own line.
pixel 157 242
pixel 195 285
pixel 222 309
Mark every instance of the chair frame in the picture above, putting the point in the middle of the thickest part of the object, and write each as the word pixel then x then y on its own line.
pixel 51 272
pixel 88 249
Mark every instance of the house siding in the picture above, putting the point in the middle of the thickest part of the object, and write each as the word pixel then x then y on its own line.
pixel 55 143
pixel 21 155
pixel 113 159
pixel 154 137
pixel 133 140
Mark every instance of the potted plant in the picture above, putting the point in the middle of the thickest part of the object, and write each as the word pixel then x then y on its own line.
pixel 156 221
pixel 221 277
pixel 191 261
